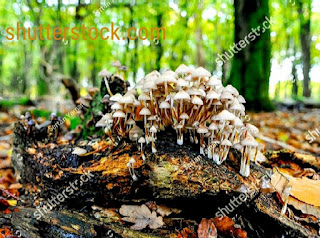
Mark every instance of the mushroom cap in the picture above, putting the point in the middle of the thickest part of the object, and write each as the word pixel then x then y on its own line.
pixel 127 99
pixel 202 129
pixel 101 123
pixel 241 99
pixel 184 116
pixel 130 122
pixel 137 103
pixel 213 81
pixel 217 103
pixel 153 129
pixel 226 142
pixel 116 63
pixel 145 112
pixel 182 95
pixel 197 101
pixel 144 97
pixel 119 114
pixel 104 73
pixel 135 130
pixel 252 129
pixel 154 73
pixel 149 85
pixel 213 126
pixel 201 72
pixel 164 105
pixel 106 98
pixel 226 96
pixel 133 91
pixel 132 160
pixel 92 91
pixel 116 97
pixel 235 106
pixel 152 118
pixel 183 69
pixel 229 88
pixel 243 109
pixel 249 141
pixel 212 95
pixel 79 151
pixel 237 122
pixel 182 83
pixel 171 73
pixel 141 140
pixel 226 116
pixel 140 83
pixel 123 68
pixel 116 106
pixel 194 91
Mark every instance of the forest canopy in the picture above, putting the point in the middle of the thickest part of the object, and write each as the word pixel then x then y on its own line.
pixel 196 33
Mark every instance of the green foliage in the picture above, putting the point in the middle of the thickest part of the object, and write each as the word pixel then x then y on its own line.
pixel 195 31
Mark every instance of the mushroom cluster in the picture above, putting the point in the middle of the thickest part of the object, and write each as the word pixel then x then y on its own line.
pixel 195 104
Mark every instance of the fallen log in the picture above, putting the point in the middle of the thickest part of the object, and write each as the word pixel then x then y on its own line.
pixel 93 185
pixel 175 176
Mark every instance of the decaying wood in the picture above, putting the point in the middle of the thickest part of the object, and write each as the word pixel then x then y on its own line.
pixel 175 176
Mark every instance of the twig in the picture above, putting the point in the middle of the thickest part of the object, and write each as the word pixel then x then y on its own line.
pixel 282 144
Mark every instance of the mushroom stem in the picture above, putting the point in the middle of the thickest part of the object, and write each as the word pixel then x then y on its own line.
pixel 107 85
pixel 180 137
pixel 245 162
pixel 286 194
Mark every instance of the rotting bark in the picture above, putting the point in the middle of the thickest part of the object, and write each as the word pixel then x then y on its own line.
pixel 172 177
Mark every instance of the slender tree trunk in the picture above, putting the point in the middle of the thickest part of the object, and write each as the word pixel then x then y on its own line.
pixel 304 11
pixel 294 82
pixel 198 32
pixel 94 70
pixel 250 69
pixel 159 46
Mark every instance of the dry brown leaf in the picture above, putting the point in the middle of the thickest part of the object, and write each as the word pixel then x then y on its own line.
pixel 304 194
pixel 141 216
pixel 207 229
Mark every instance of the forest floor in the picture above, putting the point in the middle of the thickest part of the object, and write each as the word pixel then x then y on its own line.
pixel 278 130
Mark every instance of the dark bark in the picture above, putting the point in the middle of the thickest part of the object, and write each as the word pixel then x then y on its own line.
pixel 250 69
pixel 170 177
pixel 159 46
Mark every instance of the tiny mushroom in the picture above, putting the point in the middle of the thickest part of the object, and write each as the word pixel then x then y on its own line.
pixel 141 141
pixel 105 74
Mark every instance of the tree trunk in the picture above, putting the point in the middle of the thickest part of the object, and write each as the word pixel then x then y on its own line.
pixel 198 33
pixel 250 69
pixel 305 40
pixel 159 47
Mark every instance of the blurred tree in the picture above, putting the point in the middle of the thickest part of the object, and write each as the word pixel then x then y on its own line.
pixel 304 9
pixel 251 65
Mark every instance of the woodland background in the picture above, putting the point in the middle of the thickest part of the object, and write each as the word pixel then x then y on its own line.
pixel 282 64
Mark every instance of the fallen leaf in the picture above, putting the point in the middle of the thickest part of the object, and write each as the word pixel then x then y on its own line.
pixel 141 216
pixel 207 229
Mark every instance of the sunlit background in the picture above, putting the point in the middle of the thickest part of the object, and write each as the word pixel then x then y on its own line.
pixel 196 32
